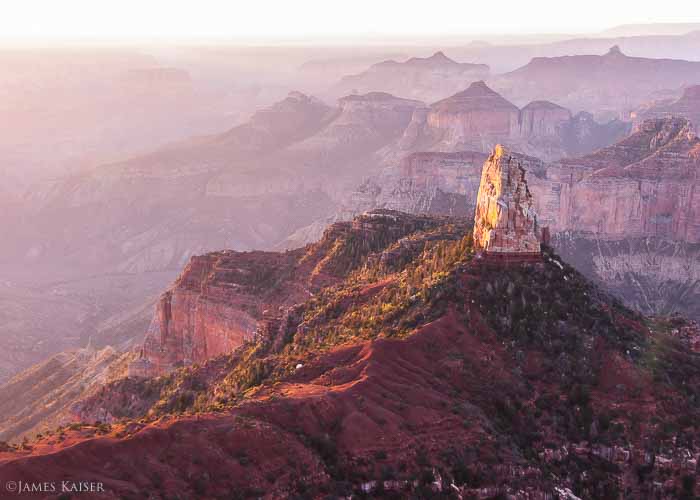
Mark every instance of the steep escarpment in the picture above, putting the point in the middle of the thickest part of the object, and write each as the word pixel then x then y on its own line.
pixel 422 370
pixel 475 114
pixel 214 306
pixel 642 188
pixel 439 183
pixel 364 122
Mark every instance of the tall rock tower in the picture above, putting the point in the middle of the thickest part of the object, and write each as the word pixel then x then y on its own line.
pixel 505 223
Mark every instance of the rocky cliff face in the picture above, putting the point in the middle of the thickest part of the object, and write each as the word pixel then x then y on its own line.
pixel 542 119
pixel 505 222
pixel 658 276
pixel 215 305
pixel 440 183
pixel 475 112
pixel 363 122
pixel 644 185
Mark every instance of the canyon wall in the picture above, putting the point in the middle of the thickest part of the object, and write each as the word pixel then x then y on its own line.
pixel 645 185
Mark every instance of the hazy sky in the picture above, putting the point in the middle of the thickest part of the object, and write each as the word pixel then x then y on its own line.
pixel 295 19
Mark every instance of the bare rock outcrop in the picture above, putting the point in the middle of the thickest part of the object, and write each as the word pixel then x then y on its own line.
pixel 505 222
pixel 542 119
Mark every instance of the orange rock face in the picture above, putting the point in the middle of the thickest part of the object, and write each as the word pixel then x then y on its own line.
pixel 216 304
pixel 505 222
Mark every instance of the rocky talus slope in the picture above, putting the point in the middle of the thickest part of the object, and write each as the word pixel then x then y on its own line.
pixel 418 371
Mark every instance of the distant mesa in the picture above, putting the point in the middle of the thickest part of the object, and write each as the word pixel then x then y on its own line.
pixel 477 118
pixel 423 78
pixel 615 51
pixel 505 223
pixel 607 84
pixel 439 58
pixel 477 96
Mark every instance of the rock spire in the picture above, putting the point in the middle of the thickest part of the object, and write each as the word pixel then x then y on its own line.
pixel 505 221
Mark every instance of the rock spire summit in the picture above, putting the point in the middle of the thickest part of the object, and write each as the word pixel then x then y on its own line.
pixel 505 222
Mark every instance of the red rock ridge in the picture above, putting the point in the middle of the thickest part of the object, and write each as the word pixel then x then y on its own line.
pixel 223 299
